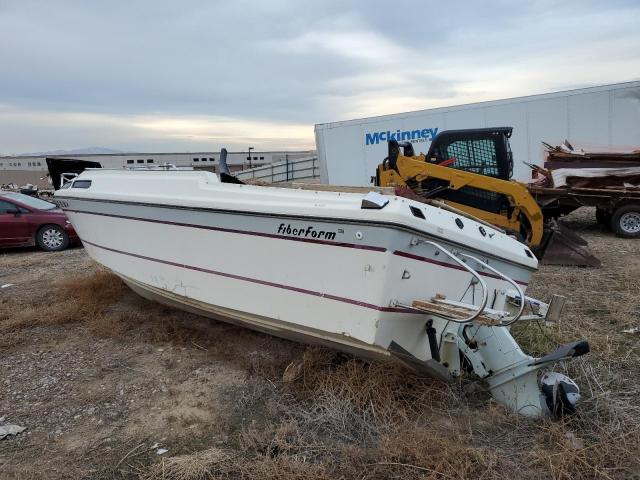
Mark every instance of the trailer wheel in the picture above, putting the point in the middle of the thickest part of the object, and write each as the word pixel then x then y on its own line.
pixel 626 221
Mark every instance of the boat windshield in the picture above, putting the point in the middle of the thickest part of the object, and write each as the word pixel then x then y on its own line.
pixel 29 201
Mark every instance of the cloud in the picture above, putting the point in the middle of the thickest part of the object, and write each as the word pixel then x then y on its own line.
pixel 150 133
pixel 273 69
pixel 346 37
pixel 227 131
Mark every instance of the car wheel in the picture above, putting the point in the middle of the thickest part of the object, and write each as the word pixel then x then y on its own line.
pixel 52 238
pixel 626 221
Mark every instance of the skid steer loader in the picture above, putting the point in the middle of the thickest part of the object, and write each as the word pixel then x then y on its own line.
pixel 470 170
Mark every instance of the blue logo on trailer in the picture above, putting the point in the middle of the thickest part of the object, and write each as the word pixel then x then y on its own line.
pixel 423 135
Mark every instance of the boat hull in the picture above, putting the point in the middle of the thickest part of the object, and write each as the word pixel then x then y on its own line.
pixel 258 323
pixel 319 267
pixel 316 290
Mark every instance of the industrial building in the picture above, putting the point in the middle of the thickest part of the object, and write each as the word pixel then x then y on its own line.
pixel 21 170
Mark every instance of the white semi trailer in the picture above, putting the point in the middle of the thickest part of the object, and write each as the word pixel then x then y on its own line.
pixel 605 117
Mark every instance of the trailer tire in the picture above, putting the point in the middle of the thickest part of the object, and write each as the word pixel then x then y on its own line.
pixel 626 221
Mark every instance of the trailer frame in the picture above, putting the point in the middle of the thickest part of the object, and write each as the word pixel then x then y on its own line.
pixel 616 207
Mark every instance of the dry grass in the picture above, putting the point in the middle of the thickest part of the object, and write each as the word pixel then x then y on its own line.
pixel 382 394
pixel 416 450
pixel 341 417
pixel 218 464
pixel 98 301
pixel 82 299
pixel 344 418
pixel 198 466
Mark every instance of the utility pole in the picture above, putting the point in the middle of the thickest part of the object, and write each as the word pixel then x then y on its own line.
pixel 250 148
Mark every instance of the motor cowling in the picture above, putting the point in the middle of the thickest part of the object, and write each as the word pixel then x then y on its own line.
pixel 561 394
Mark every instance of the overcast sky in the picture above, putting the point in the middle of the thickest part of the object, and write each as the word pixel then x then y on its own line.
pixel 160 75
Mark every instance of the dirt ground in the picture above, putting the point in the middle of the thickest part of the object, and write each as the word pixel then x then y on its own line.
pixel 103 379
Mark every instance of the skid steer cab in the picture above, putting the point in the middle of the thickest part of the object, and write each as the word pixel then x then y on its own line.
pixel 470 171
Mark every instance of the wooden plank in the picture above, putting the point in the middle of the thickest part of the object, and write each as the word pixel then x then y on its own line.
pixel 458 313
pixel 609 192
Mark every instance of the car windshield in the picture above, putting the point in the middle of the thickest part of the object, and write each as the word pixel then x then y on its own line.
pixel 29 201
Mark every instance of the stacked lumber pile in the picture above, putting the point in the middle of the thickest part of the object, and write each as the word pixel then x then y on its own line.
pixel 566 166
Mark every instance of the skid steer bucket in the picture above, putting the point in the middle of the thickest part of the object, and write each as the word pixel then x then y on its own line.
pixel 563 247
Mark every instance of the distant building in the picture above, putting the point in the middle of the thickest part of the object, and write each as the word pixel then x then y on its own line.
pixel 21 170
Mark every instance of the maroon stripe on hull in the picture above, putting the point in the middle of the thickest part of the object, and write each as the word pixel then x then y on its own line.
pixel 282 237
pixel 255 280
pixel 448 265
pixel 241 232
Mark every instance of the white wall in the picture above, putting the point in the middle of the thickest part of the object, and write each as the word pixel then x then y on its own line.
pixel 180 159
pixel 606 117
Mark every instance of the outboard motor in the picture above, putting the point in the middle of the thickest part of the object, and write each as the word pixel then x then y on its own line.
pixel 224 168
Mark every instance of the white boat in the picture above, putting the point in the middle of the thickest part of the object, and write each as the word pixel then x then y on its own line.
pixel 375 275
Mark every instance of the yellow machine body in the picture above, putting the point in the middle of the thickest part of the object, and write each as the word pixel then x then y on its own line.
pixel 411 171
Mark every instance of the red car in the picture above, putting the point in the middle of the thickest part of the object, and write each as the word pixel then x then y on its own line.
pixel 27 221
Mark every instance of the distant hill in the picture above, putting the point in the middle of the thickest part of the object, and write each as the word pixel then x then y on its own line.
pixel 75 151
